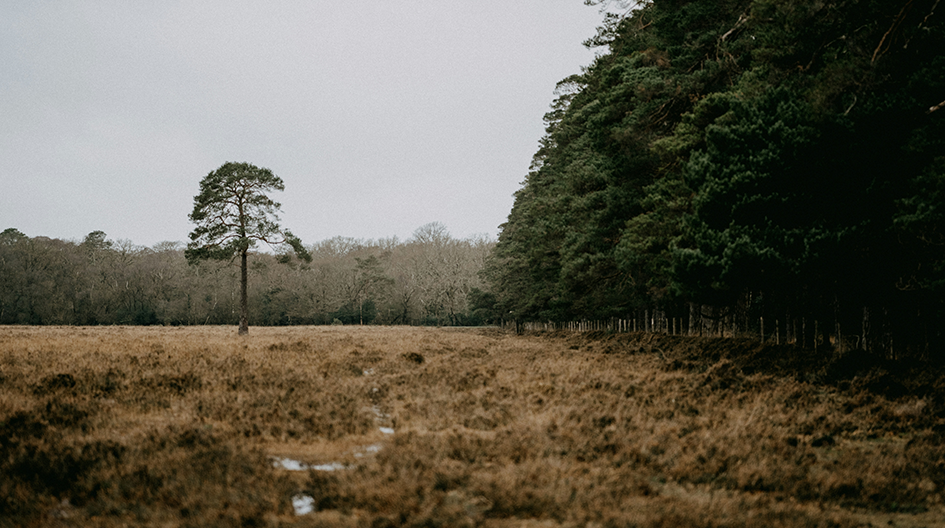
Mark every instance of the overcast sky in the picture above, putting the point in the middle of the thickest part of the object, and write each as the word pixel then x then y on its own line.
pixel 379 117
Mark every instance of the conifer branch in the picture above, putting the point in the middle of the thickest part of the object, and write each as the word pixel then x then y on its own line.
pixel 879 51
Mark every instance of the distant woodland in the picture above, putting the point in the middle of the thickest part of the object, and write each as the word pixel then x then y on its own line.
pixel 752 162
pixel 427 279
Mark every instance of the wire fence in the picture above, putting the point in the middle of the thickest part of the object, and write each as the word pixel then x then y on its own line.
pixel 869 334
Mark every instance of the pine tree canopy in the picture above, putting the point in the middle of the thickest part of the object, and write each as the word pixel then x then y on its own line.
pixel 232 213
pixel 719 151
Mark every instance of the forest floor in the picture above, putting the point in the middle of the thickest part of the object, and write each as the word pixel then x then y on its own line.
pixel 397 426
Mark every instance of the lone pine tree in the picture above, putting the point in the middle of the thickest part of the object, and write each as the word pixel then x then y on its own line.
pixel 233 212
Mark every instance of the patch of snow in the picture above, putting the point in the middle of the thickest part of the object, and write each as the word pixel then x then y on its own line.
pixel 372 449
pixel 289 464
pixel 387 430
pixel 334 466
pixel 303 504
pixel 294 465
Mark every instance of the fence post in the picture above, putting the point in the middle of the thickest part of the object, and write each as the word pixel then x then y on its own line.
pixel 692 319
pixel 762 319
pixel 866 328
pixel 702 328
pixel 839 339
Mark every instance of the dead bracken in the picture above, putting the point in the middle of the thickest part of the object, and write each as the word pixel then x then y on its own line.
pixel 330 426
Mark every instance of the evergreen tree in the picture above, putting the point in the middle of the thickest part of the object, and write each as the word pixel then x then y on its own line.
pixel 233 213
pixel 717 151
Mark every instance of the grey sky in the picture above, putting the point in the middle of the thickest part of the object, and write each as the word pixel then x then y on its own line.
pixel 380 116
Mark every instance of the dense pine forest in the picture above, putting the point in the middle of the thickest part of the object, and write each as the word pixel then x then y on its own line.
pixel 766 162
pixel 427 279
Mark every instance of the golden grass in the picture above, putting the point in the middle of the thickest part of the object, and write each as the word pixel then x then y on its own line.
pixel 148 426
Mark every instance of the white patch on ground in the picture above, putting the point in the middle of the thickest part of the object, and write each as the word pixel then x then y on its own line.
pixel 372 449
pixel 303 504
pixel 306 503
pixel 334 466
pixel 294 465
pixel 289 464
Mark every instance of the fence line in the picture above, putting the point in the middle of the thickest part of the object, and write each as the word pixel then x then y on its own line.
pixel 667 326
pixel 709 322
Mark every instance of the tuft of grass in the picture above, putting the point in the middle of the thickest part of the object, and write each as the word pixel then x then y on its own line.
pixel 179 426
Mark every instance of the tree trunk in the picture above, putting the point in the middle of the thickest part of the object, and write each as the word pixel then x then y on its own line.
pixel 244 305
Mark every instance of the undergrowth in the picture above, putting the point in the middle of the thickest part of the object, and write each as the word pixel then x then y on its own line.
pixel 178 427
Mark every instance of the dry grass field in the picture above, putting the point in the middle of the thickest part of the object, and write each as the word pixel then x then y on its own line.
pixel 424 427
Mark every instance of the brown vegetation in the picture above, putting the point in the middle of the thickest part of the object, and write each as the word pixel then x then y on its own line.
pixel 180 427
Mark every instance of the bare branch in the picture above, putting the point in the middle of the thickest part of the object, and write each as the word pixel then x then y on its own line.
pixel 880 50
pixel 741 20
pixel 718 45
pixel 851 105
pixel 931 12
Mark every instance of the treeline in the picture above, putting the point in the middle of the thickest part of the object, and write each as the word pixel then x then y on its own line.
pixel 747 162
pixel 428 279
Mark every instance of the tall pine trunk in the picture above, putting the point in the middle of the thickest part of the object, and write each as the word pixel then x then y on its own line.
pixel 244 305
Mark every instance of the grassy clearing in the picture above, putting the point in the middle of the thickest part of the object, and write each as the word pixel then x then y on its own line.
pixel 179 427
